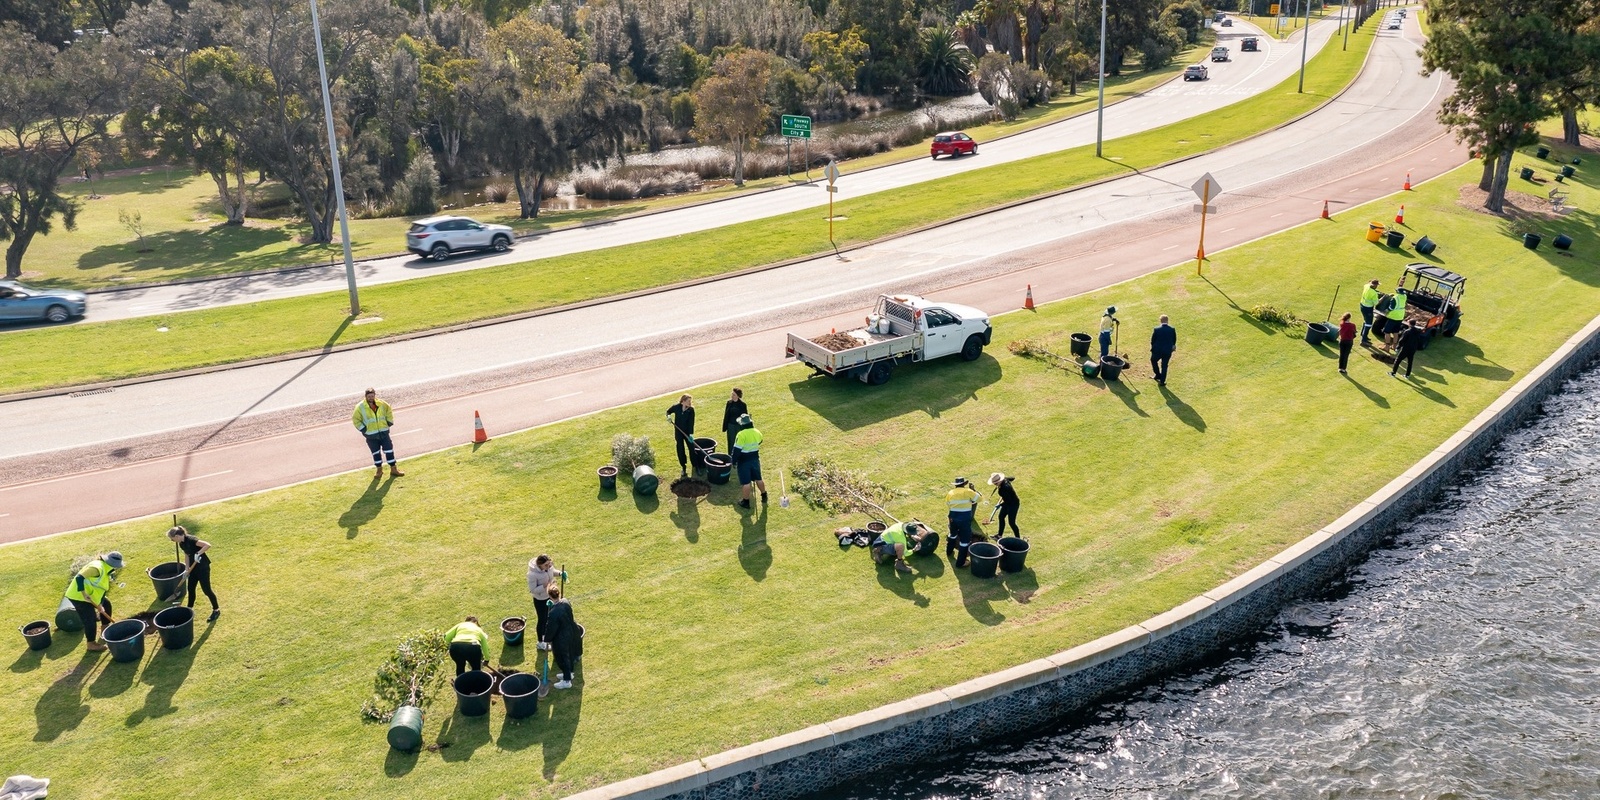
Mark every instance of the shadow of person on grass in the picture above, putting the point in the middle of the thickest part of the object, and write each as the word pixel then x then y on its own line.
pixel 117 678
pixel 977 594
pixel 902 584
pixel 366 508
pixel 61 707
pixel 1377 399
pixel 1022 586
pixel 687 518
pixel 1183 411
pixel 561 723
pixel 754 554
pixel 1127 394
pixel 164 674
pixel 462 736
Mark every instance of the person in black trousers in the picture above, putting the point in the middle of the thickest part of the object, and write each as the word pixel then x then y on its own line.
pixel 682 414
pixel 1009 504
pixel 1347 340
pixel 1410 342
pixel 731 414
pixel 197 567
pixel 1163 340
pixel 566 639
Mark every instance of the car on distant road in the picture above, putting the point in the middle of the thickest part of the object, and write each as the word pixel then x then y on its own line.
pixel 1394 24
pixel 1250 45
pixel 1227 23
pixel 440 237
pixel 20 303
pixel 1219 54
pixel 1196 72
pixel 952 143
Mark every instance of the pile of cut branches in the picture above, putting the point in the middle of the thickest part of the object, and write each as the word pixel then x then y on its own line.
pixel 826 485
pixel 409 677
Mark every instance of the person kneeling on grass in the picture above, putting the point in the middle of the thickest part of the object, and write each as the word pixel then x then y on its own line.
pixel 897 540
pixel 467 644
pixel 566 638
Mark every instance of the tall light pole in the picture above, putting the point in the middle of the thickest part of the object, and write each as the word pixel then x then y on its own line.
pixel 1305 44
pixel 1342 29
pixel 1100 112
pixel 333 154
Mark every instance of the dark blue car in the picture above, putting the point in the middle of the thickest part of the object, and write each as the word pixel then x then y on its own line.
pixel 20 303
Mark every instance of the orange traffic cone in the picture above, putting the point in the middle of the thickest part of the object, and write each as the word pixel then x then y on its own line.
pixel 1027 304
pixel 1400 216
pixel 1325 210
pixel 1408 181
pixel 479 435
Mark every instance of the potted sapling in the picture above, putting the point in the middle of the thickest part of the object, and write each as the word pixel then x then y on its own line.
pixel 405 685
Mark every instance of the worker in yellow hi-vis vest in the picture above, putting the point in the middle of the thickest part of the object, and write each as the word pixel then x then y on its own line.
pixel 962 502
pixel 88 590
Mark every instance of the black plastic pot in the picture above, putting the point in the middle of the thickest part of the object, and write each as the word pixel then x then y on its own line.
pixel 472 692
pixel 928 546
pixel 1526 173
pixel 1317 332
pixel 176 627
pixel 1562 241
pixel 126 640
pixel 877 527
pixel 1013 554
pixel 1426 246
pixel 1531 240
pixel 67 618
pixel 1394 238
pixel 167 578
pixel 514 638
pixel 1111 367
pixel 1567 171
pixel 985 558
pixel 40 640
pixel 718 467
pixel 1543 152
pixel 608 478
pixel 645 480
pixel 703 446
pixel 405 729
pixel 521 692
pixel 1080 344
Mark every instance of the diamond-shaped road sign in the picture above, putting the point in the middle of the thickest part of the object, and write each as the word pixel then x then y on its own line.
pixel 831 171
pixel 1203 192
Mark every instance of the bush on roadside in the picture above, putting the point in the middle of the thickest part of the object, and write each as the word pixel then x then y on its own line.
pixel 418 189
pixel 629 451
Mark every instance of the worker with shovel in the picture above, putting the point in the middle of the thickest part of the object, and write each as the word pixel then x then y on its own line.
pixel 682 415
pixel 87 592
pixel 747 458
pixel 197 569
pixel 1108 324
pixel 962 502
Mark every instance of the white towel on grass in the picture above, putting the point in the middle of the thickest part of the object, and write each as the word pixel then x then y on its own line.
pixel 24 787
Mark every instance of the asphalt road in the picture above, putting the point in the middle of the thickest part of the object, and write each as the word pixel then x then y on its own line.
pixel 1247 75
pixel 153 447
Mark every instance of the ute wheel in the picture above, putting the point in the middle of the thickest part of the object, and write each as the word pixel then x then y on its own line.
pixel 57 314
pixel 502 244
pixel 439 252
pixel 972 152
pixel 973 348
pixel 1450 327
pixel 880 373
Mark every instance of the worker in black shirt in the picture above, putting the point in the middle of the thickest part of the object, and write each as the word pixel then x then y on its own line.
pixel 197 567
pixel 682 415
pixel 1008 505
pixel 731 414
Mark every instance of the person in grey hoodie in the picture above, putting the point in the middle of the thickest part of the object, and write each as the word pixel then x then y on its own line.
pixel 541 574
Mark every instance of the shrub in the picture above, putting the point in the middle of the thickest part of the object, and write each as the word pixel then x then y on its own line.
pixel 1272 315
pixel 418 189
pixel 409 677
pixel 497 192
pixel 629 451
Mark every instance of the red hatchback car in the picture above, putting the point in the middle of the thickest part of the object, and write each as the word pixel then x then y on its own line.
pixel 952 143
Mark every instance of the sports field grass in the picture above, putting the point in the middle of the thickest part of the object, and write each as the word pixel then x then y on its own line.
pixel 89 352
pixel 710 628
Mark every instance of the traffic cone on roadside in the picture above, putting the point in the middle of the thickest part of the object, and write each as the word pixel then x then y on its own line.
pixel 479 435
pixel 1400 216
pixel 1408 182
pixel 1027 304
pixel 1325 210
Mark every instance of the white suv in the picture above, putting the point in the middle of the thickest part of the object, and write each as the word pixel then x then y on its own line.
pixel 438 237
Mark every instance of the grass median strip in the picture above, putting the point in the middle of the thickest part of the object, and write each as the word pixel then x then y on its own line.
pixel 710 628
pixel 87 353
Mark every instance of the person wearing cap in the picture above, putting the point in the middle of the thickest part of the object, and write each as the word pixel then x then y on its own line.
pixel 747 458
pixel 1108 323
pixel 467 644
pixel 374 418
pixel 731 413
pixel 1369 301
pixel 1397 318
pixel 1009 504
pixel 962 503
pixel 899 540
pixel 87 593
pixel 197 570
pixel 1163 341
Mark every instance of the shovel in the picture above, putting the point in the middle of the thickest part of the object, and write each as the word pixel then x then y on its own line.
pixel 783 500
pixel 549 655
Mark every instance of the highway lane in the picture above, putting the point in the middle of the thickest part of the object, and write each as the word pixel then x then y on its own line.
pixel 539 370
pixel 1248 74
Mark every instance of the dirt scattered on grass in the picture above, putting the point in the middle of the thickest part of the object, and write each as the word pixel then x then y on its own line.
pixel 690 488
pixel 1519 207
pixel 437 746
pixel 149 620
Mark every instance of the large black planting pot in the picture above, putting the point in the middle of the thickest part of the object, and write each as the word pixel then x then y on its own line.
pixel 176 627
pixel 472 693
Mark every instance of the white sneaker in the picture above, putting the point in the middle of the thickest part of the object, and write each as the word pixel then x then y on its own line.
pixel 544 645
pixel 563 684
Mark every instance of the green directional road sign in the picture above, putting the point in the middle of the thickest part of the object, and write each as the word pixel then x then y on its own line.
pixel 795 127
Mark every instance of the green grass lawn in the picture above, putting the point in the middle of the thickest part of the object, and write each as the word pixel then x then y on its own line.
pixel 184 236
pixel 1284 27
pixel 712 628
pixel 88 352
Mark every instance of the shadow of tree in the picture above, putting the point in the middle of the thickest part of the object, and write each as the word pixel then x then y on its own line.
pixel 218 249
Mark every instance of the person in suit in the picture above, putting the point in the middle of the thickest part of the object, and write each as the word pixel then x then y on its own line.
pixel 1163 340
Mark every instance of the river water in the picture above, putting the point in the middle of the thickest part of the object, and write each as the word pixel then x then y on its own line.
pixel 1458 661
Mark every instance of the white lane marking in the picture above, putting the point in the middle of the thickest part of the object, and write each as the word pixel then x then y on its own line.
pixel 703 363
pixel 1275 216
pixel 1431 160
pixel 1228 229
pixel 201 477
pixel 1107 266
pixel 1352 191
pixel 562 396
pixel 1165 249
pixel 5 515
pixel 402 433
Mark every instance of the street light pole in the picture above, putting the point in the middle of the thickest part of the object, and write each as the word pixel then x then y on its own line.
pixel 1305 44
pixel 1348 25
pixel 333 154
pixel 1100 112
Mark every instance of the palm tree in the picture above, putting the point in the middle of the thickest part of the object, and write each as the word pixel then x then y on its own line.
pixel 944 65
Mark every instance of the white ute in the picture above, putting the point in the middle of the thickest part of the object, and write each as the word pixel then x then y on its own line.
pixel 902 329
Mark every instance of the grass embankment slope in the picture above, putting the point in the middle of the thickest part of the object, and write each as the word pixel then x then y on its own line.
pixel 184 236
pixel 90 352
pixel 710 628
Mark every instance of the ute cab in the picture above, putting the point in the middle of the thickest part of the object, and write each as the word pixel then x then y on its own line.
pixel 1433 298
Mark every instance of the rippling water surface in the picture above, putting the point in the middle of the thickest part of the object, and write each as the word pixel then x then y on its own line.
pixel 1460 661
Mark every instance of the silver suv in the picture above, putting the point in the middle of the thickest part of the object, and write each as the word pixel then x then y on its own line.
pixel 438 237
